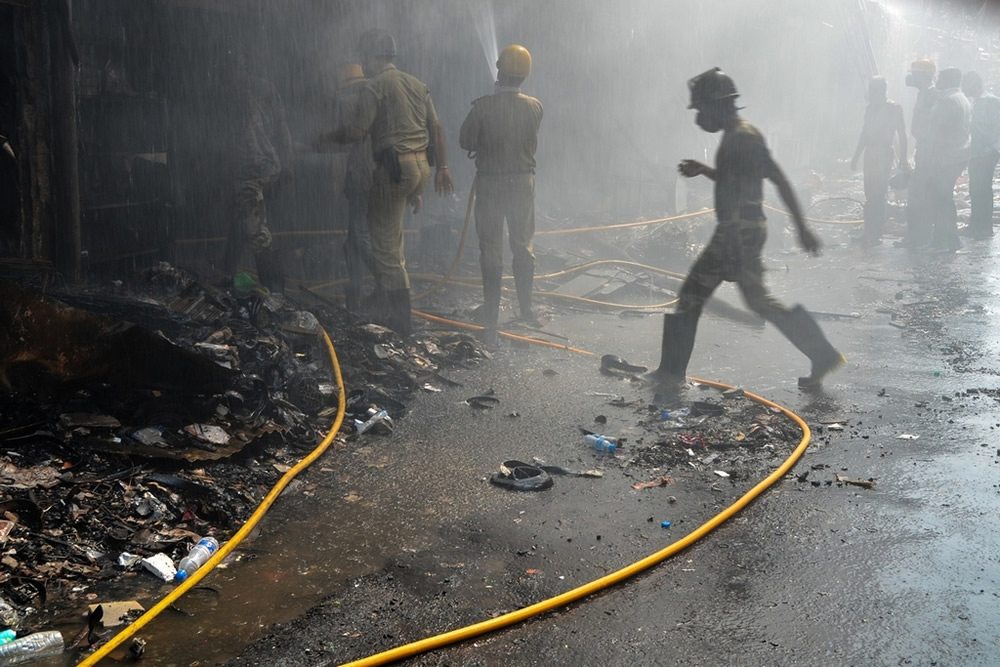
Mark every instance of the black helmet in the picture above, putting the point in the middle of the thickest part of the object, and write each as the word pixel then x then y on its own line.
pixel 378 43
pixel 711 86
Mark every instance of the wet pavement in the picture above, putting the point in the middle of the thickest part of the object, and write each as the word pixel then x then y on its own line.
pixel 388 539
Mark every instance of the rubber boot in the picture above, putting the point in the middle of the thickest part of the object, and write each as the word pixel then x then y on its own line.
pixel 801 329
pixel 675 349
pixel 524 279
pixel 490 313
pixel 270 271
pixel 399 312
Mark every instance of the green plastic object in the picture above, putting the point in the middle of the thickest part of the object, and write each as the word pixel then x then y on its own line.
pixel 242 282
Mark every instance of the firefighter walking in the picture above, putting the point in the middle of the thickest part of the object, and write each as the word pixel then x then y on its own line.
pixel 733 254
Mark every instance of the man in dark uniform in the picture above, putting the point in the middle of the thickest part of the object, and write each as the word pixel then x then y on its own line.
pixel 883 121
pixel 502 131
pixel 396 110
pixel 733 254
pixel 985 154
pixel 357 189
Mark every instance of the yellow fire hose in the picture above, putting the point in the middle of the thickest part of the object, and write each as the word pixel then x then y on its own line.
pixel 580 592
pixel 241 534
pixel 482 627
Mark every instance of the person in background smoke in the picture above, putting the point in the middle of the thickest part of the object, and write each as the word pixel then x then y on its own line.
pixel 984 156
pixel 883 121
pixel 395 109
pixel 945 154
pixel 262 153
pixel 357 189
pixel 733 254
pixel 501 132
pixel 918 223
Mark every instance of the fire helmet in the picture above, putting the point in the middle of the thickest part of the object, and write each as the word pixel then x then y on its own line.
pixel 515 61
pixel 377 43
pixel 711 86
pixel 923 65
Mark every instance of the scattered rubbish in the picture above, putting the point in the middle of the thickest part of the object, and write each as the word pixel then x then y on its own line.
pixel 127 560
pixel 427 386
pixel 198 556
pixel 160 565
pixel 907 436
pixel 7 636
pixel 548 372
pixel 28 478
pixel 673 414
pixel 710 459
pixel 482 402
pixel 735 392
pixel 32 647
pixel 600 443
pixel 866 484
pixel 211 434
pixel 5 528
pixel 663 481
pixel 601 419
pixel 519 476
pixel 117 613
pixel 835 427
pixel 9 615
pixel 615 365
pixel 699 408
pixel 137 648
pixel 380 417
pixel 664 524
pixel 721 473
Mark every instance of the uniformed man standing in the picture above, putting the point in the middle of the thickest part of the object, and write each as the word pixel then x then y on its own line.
pixel 985 154
pixel 396 110
pixel 357 189
pixel 733 254
pixel 883 121
pixel 261 154
pixel 501 131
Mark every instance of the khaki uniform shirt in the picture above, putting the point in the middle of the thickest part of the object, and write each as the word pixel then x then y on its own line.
pixel 395 109
pixel 360 163
pixel 502 129
pixel 741 164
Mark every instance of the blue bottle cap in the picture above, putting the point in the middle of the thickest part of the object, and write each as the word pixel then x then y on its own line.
pixel 181 575
pixel 665 524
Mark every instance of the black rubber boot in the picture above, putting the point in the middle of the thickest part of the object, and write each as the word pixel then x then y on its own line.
pixel 675 349
pixel 399 312
pixel 524 279
pixel 270 271
pixel 801 329
pixel 490 313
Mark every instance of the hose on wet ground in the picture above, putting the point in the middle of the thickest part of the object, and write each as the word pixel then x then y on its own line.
pixel 242 533
pixel 605 582
pixel 544 232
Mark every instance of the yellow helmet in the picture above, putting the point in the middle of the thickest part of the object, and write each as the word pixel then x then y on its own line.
pixel 514 61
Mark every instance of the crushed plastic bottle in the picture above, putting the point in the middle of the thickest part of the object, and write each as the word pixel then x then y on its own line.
pixel 26 649
pixel 600 443
pixel 376 418
pixel 198 556
pixel 8 615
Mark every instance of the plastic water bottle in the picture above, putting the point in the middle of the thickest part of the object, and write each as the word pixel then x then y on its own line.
pixel 38 645
pixel 198 556
pixel 7 636
pixel 600 443
pixel 380 416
